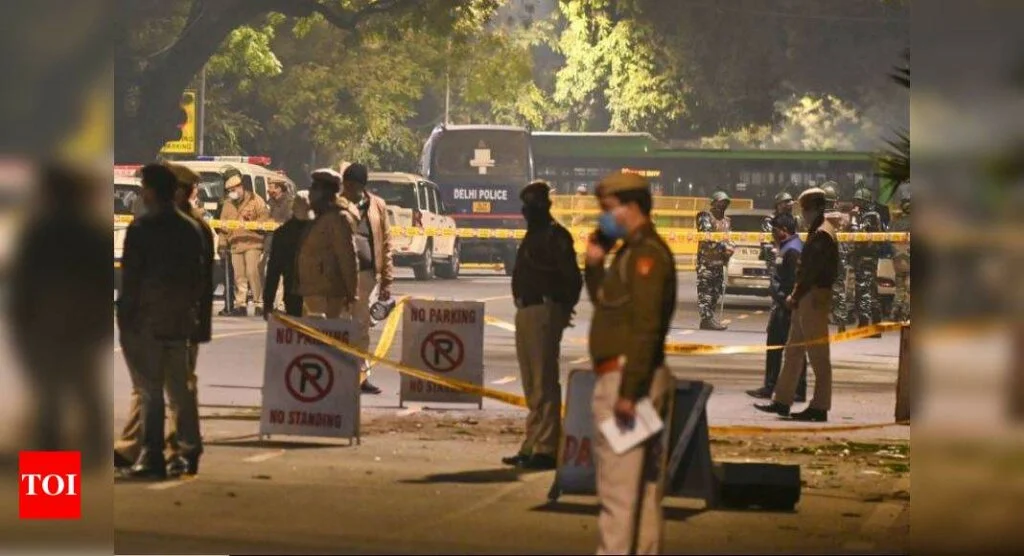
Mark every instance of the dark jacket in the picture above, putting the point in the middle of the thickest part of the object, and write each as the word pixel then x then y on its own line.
pixel 546 267
pixel 819 260
pixel 204 330
pixel 783 278
pixel 284 252
pixel 162 275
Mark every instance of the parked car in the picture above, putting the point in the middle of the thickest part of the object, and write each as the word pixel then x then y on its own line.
pixel 747 273
pixel 414 202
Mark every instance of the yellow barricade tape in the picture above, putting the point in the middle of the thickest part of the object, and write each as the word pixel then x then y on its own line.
pixel 387 335
pixel 459 385
pixel 681 236
pixel 855 334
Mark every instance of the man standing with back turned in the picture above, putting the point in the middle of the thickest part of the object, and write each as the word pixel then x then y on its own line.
pixel 811 302
pixel 633 304
pixel 546 285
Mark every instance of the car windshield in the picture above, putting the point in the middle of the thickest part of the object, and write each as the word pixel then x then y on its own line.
pixel 125 196
pixel 398 194
pixel 211 187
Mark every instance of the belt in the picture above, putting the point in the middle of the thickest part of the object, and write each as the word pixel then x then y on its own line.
pixel 523 302
pixel 610 365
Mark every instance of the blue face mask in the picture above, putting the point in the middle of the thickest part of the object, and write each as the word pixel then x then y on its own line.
pixel 609 226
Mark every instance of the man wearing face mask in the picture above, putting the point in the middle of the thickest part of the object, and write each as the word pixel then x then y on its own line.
pixel 779 320
pixel 327 266
pixel 245 247
pixel 810 302
pixel 634 300
pixel 712 258
pixel 783 205
pixel 546 285
pixel 368 214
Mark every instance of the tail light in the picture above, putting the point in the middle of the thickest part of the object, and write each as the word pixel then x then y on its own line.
pixel 887 283
pixel 417 218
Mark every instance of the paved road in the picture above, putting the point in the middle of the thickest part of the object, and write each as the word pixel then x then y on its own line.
pixel 408 490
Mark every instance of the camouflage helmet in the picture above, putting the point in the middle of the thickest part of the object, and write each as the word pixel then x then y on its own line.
pixel 718 196
pixel 783 197
pixel 863 194
pixel 831 189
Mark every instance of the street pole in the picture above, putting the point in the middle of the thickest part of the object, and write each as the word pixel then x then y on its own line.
pixel 202 111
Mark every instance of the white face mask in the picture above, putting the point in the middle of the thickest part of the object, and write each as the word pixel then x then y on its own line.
pixel 234 194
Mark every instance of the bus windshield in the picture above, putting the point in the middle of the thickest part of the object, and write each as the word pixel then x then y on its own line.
pixel 482 154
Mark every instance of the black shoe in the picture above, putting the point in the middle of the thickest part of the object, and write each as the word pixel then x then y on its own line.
pixel 712 325
pixel 225 312
pixel 182 465
pixel 120 462
pixel 258 312
pixel 760 393
pixel 240 312
pixel 774 407
pixel 516 460
pixel 368 388
pixel 810 415
pixel 147 471
pixel 540 462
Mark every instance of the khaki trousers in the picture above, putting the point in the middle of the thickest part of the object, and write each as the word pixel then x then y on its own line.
pixel 129 444
pixel 538 341
pixel 360 310
pixel 248 273
pixel 619 476
pixel 810 322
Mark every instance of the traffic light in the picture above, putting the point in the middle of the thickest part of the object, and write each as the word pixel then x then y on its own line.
pixel 185 143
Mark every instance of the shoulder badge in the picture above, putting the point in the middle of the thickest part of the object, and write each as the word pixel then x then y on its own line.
pixel 644 265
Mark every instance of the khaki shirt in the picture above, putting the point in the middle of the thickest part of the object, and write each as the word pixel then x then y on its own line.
pixel 634 300
pixel 250 208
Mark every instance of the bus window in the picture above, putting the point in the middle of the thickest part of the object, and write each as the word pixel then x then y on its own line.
pixel 482 153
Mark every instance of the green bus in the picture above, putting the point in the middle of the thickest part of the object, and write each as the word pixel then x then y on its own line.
pixel 571 160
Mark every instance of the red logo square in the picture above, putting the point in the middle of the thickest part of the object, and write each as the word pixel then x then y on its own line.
pixel 49 485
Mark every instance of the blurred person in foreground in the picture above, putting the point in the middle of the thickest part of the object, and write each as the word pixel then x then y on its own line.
pixel 279 204
pixel 633 300
pixel 788 245
pixel 328 270
pixel 712 260
pixel 546 286
pixel 127 448
pixel 284 251
pixel 810 302
pixel 59 313
pixel 372 232
pixel 158 313
pixel 244 247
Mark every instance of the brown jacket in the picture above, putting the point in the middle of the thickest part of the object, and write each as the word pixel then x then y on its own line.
pixel 381 230
pixel 250 209
pixel 327 263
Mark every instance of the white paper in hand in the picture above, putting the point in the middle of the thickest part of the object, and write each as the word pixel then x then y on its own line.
pixel 646 424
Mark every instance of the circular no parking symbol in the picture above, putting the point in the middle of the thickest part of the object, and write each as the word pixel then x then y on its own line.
pixel 309 378
pixel 442 351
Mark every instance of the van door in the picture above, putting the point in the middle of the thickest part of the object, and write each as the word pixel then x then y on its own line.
pixel 445 242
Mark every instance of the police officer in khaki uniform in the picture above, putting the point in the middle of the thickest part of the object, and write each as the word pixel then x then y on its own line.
pixel 546 285
pixel 633 302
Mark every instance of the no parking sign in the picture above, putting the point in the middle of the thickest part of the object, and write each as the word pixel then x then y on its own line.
pixel 444 338
pixel 310 389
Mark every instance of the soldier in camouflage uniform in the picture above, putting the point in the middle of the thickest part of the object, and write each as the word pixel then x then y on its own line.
pixel 864 256
pixel 840 315
pixel 901 263
pixel 783 204
pixel 712 258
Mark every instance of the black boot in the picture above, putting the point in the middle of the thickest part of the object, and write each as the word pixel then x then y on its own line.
pixel 182 465
pixel 763 393
pixel 774 407
pixel 149 467
pixel 515 460
pixel 810 415
pixel 712 324
pixel 368 388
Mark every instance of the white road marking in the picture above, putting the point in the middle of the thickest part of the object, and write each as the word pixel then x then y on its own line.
pixel 727 321
pixel 497 323
pixel 409 410
pixel 758 312
pixel 498 298
pixel 264 456
pixel 686 332
pixel 504 380
pixel 171 483
pixel 580 361
pixel 741 317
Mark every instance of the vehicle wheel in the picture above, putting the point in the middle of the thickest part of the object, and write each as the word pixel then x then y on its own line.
pixel 425 269
pixel 450 270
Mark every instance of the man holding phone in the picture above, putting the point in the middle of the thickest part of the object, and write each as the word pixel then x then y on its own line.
pixel 634 300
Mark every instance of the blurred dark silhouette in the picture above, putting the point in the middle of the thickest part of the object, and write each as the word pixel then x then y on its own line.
pixel 60 313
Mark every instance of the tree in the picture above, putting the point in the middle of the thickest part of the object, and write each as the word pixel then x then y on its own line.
pixel 148 83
